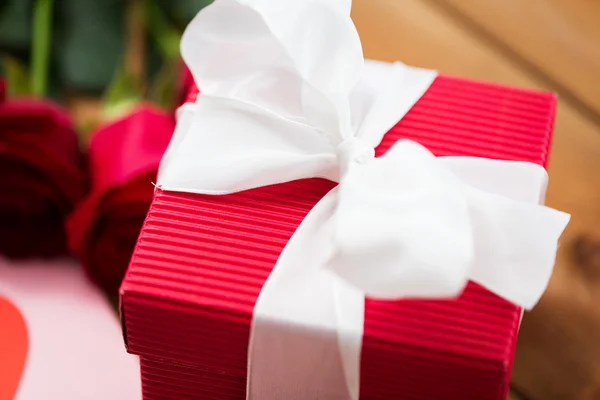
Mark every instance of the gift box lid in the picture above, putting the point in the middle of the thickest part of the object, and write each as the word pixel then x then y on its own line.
pixel 200 263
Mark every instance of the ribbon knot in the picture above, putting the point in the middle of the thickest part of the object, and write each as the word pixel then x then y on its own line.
pixel 353 150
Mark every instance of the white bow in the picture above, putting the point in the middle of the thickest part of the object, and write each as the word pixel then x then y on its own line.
pixel 286 95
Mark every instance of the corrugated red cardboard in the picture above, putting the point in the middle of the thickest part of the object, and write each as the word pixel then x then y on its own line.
pixel 201 261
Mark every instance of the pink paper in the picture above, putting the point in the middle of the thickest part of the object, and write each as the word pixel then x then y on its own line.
pixel 74 347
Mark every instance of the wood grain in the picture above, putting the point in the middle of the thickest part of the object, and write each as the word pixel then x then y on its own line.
pixel 559 38
pixel 558 353
pixel 559 350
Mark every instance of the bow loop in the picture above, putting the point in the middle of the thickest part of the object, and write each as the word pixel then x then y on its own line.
pixel 409 224
pixel 402 227
pixel 286 56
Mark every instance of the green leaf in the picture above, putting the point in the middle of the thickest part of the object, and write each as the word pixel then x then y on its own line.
pixel 17 76
pixel 89 42
pixel 163 90
pixel 164 33
pixel 122 95
pixel 154 58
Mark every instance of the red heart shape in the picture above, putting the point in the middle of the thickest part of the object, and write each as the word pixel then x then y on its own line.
pixel 14 344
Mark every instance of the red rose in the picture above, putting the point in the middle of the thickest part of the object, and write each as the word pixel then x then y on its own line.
pixel 124 158
pixel 41 178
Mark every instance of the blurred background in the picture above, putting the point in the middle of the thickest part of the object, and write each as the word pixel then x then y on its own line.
pixel 108 49
pixel 101 51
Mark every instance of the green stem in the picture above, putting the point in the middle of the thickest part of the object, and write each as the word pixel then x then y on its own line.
pixel 40 51
pixel 127 86
pixel 135 52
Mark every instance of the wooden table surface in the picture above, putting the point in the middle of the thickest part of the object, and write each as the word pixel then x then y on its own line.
pixel 546 44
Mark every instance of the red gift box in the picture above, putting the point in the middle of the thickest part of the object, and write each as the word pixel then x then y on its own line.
pixel 200 263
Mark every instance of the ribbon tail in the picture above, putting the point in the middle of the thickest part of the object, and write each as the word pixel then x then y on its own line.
pixel 306 333
pixel 516 245
pixel 515 237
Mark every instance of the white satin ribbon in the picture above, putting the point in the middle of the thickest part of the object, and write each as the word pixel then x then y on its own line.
pixel 286 95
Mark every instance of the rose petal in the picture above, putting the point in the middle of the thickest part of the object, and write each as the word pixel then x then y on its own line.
pixel 42 177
